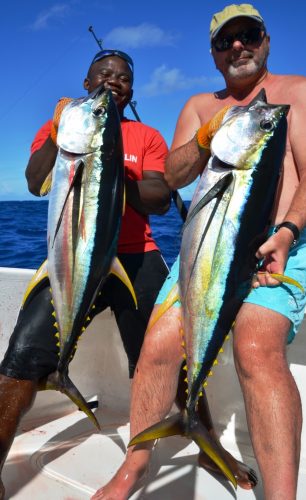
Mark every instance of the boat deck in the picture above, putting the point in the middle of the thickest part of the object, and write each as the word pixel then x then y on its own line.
pixel 59 455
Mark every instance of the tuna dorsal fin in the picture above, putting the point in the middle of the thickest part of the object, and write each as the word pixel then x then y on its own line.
pixel 261 96
pixel 76 178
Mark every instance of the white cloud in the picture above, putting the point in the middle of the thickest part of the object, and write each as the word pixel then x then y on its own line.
pixel 166 81
pixel 144 35
pixel 58 11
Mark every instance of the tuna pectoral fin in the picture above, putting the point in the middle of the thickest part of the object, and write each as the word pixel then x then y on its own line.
pixel 216 191
pixel 178 425
pixel 118 270
pixel 172 297
pixel 60 381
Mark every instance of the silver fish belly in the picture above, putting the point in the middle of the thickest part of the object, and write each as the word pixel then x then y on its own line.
pixel 221 237
pixel 85 208
pixel 227 220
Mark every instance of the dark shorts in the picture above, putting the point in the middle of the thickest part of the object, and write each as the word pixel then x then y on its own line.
pixel 32 353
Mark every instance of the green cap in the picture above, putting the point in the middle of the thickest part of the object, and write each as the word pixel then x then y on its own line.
pixel 230 12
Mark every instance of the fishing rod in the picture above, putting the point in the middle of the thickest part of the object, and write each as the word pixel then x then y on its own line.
pixel 179 203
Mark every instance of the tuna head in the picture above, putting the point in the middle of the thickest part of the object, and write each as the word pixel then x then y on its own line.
pixel 247 130
pixel 83 120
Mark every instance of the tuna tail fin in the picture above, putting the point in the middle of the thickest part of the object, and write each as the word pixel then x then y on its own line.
pixel 171 426
pixel 118 270
pixel 179 425
pixel 202 438
pixel 60 381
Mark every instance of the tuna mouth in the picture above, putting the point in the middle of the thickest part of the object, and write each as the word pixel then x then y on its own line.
pixel 70 155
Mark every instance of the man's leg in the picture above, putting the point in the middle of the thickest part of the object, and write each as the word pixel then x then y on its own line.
pixel 16 398
pixel 153 392
pixel 31 355
pixel 154 389
pixel 272 400
pixel 246 477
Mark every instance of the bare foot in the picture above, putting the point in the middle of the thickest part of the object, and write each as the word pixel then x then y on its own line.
pixel 122 485
pixel 245 476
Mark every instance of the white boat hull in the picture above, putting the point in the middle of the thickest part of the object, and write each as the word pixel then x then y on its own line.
pixel 57 453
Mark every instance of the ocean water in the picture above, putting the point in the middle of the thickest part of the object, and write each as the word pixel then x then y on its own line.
pixel 23 236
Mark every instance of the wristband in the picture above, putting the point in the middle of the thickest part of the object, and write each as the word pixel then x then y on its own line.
pixel 293 228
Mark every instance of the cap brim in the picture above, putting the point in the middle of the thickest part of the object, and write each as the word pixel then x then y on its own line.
pixel 255 18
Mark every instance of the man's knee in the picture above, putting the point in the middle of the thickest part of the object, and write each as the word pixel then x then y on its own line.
pixel 162 343
pixel 259 341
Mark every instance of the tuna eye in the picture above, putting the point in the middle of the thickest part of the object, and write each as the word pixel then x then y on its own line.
pixel 266 125
pixel 100 111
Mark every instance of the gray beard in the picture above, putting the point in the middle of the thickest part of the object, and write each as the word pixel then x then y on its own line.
pixel 251 67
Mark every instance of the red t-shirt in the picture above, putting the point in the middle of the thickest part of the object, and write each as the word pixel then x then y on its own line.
pixel 144 149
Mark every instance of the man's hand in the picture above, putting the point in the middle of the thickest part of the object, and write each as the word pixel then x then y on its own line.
pixel 274 254
pixel 207 131
pixel 57 115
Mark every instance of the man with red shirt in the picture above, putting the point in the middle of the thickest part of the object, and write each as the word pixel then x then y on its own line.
pixel 32 351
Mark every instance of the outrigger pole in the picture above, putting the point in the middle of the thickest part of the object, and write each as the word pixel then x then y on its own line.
pixel 179 203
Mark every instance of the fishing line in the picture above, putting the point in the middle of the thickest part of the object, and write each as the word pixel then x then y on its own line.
pixel 178 201
pixel 41 76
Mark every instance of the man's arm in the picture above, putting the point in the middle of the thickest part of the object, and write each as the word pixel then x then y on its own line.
pixel 40 164
pixel 151 195
pixel 275 249
pixel 44 150
pixel 190 149
pixel 185 160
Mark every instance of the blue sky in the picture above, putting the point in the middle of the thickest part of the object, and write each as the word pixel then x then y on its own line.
pixel 46 49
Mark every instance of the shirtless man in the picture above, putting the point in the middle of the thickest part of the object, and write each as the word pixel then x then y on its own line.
pixel 267 320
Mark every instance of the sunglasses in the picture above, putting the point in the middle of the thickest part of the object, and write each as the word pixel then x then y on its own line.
pixel 111 52
pixel 246 37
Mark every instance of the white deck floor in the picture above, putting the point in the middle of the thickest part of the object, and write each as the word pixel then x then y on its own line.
pixel 58 455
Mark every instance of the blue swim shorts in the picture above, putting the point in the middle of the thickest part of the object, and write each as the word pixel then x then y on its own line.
pixel 285 299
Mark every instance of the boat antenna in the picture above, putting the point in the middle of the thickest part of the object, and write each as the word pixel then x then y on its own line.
pixel 175 194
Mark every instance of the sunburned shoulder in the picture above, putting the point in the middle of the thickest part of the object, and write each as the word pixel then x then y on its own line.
pixel 200 99
pixel 287 88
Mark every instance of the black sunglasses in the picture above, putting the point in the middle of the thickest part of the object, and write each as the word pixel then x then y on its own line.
pixel 111 52
pixel 246 37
